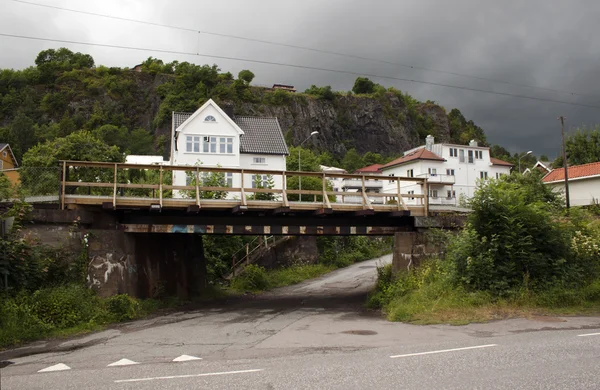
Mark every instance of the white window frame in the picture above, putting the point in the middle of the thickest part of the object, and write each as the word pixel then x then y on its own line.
pixel 453 152
pixel 210 119
pixel 461 154
pixel 410 173
pixel 471 157
pixel 217 145
pixel 483 175
pixel 433 193
pixel 411 192
pixel 259 160
pixel 449 172
pixel 392 175
pixel 433 171
pixel 192 143
pixel 229 179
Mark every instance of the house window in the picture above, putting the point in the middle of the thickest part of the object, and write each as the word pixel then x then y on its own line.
pixel 261 180
pixel 450 172
pixel 461 155
pixel 225 145
pixel 410 173
pixel 499 175
pixel 192 144
pixel 391 181
pixel 432 171
pixel 471 160
pixel 453 152
pixel 221 144
pixel 479 154
pixel 229 179
pixel 4 154
pixel 210 118
pixel 1 164
pixel 259 160
pixel 483 175
pixel 412 192
pixel 433 193
pixel 451 194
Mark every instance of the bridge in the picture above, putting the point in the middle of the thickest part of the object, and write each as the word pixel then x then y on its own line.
pixel 142 233
pixel 145 200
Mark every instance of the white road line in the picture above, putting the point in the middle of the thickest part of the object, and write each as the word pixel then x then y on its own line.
pixel 588 334
pixel 122 362
pixel 444 350
pixel 56 367
pixel 186 358
pixel 187 376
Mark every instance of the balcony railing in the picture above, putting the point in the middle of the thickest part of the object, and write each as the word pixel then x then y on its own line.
pixel 434 178
pixel 357 183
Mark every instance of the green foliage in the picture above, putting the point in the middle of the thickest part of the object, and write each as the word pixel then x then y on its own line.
pixel 352 161
pixel 65 306
pixel 462 131
pixel 259 183
pixel 583 146
pixel 206 179
pixel 363 85
pixel 252 278
pixel 122 307
pixel 343 251
pixel 79 146
pixel 325 93
pixel 51 62
pixel 246 76
pixel 219 252
pixel 154 66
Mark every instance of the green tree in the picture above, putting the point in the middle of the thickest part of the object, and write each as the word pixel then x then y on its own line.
pixel 352 161
pixel 260 183
pixel 246 76
pixel 22 132
pixel 371 158
pixel 52 62
pixel 79 146
pixel 583 146
pixel 140 142
pixel 363 85
pixel 325 93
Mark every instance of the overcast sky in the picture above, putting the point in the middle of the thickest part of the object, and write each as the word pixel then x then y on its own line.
pixel 547 44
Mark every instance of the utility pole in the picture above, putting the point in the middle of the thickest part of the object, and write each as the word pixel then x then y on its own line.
pixel 564 153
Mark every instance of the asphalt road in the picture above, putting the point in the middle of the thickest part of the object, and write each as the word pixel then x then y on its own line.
pixel 314 335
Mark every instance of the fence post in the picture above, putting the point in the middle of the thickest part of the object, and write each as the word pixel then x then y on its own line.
pixel 160 186
pixel 115 189
pixel 64 179
pixel 426 198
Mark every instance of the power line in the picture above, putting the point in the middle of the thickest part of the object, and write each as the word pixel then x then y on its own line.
pixel 308 49
pixel 301 67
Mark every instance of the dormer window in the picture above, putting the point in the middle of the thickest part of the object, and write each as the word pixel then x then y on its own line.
pixel 210 118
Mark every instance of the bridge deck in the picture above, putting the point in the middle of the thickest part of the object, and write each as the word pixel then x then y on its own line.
pixel 129 186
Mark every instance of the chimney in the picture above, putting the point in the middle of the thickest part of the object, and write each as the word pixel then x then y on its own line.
pixel 429 142
pixel 473 143
pixel 228 109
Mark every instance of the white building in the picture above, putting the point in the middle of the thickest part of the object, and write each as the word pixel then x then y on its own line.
pixel 335 182
pixel 453 171
pixel 584 183
pixel 144 159
pixel 210 137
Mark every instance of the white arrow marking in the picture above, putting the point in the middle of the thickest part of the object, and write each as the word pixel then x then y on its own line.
pixel 56 367
pixel 186 358
pixel 122 362
pixel 588 334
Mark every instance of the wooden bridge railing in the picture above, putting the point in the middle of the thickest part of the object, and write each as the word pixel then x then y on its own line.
pixel 132 186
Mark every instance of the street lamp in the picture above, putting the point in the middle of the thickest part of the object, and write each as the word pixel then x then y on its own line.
pixel 299 166
pixel 520 156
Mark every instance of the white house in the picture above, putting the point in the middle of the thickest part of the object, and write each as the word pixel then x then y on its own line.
pixel 212 138
pixel 584 183
pixel 144 159
pixel 335 182
pixel 452 171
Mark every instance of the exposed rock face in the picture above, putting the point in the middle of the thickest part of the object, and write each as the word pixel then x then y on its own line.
pixel 382 125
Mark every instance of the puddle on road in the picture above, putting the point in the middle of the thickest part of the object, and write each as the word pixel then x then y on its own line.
pixel 360 332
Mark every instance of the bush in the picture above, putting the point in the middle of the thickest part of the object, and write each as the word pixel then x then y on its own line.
pixel 122 307
pixel 252 278
pixel 67 306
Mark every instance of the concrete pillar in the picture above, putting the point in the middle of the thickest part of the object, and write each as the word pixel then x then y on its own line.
pixel 112 267
pixel 410 248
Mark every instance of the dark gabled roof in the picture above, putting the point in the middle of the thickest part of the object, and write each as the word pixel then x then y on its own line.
pixel 2 146
pixel 180 117
pixel 262 135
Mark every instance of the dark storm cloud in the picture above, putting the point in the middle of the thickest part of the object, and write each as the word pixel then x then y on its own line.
pixel 535 42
